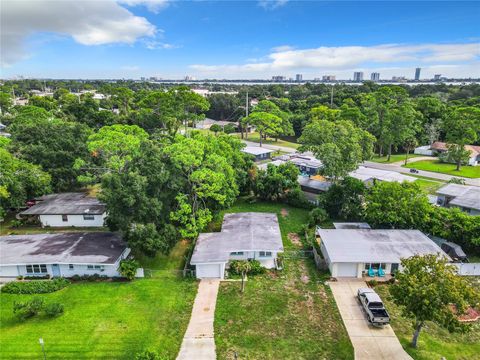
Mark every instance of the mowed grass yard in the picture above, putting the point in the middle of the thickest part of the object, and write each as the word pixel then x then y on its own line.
pixel 105 320
pixel 255 137
pixel 288 314
pixel 393 158
pixel 450 169
pixel 435 342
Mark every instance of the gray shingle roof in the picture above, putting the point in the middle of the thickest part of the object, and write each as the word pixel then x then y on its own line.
pixel 66 204
pixel 248 231
pixel 256 150
pixel 463 195
pixel 61 248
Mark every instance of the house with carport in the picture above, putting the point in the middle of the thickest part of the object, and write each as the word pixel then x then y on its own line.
pixel 244 236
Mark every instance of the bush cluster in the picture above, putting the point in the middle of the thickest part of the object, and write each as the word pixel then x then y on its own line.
pixel 93 277
pixel 128 268
pixel 255 268
pixel 33 307
pixel 35 286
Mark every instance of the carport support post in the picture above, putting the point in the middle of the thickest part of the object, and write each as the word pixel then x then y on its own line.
pixel 418 328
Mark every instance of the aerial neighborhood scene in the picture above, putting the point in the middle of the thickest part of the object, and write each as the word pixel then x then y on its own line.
pixel 271 179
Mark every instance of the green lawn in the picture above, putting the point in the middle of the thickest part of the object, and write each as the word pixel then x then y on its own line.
pixel 429 186
pixel 434 342
pixel 255 137
pixel 393 158
pixel 288 314
pixel 450 169
pixel 106 320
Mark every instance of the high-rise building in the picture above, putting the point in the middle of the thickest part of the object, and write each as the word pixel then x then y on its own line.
pixel 278 78
pixel 417 73
pixel 375 76
pixel 298 77
pixel 437 77
pixel 358 76
pixel 329 78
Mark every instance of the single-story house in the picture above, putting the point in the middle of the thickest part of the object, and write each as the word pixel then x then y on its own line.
pixel 207 123
pixel 305 162
pixel 425 150
pixel 62 254
pixel 68 209
pixel 369 175
pixel 244 236
pixel 465 197
pixel 259 153
pixel 439 147
pixel 352 252
pixel 2 131
pixel 351 225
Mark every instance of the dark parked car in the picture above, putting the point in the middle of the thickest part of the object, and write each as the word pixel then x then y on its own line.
pixel 454 251
pixel 414 171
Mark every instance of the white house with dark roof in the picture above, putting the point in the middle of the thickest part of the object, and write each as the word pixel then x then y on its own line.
pixel 465 197
pixel 244 236
pixel 259 153
pixel 351 251
pixel 62 254
pixel 68 209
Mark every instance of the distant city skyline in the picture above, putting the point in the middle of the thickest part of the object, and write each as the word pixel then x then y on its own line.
pixel 221 40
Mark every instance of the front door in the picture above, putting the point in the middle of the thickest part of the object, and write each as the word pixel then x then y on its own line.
pixel 394 268
pixel 56 270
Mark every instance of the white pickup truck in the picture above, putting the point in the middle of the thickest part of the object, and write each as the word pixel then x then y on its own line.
pixel 373 306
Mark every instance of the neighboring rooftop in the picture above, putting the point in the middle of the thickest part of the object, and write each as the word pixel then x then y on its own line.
pixel 66 204
pixel 382 246
pixel 249 231
pixel 61 248
pixel 308 183
pixel 302 159
pixel 256 150
pixel 441 146
pixel 351 225
pixel 364 174
pixel 463 195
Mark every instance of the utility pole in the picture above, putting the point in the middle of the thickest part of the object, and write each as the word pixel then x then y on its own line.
pixel 246 115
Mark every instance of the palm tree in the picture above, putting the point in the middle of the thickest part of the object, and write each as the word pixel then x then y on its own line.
pixel 242 267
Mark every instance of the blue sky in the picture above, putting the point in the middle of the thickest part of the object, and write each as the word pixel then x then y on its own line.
pixel 233 39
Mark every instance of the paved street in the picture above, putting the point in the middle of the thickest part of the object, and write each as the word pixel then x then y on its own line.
pixel 270 146
pixel 198 341
pixel 369 343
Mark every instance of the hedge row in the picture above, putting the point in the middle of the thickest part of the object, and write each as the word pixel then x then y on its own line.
pixel 35 286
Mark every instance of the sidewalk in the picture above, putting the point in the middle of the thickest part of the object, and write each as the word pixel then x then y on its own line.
pixel 198 341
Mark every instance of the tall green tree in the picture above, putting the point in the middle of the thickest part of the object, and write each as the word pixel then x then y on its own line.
pixel 426 289
pixel 276 181
pixel 340 145
pixel 265 123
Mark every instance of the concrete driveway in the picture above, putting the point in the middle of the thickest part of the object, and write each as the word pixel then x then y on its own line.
pixel 369 343
pixel 198 342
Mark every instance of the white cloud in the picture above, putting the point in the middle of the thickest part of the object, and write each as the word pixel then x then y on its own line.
pixel 271 4
pixel 152 5
pixel 155 44
pixel 283 58
pixel 88 22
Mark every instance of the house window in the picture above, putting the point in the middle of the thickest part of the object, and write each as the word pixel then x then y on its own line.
pixel 37 269
pixel 236 253
pixel 265 254
pixel 89 267
pixel 88 217
pixel 64 218
pixel 70 266
pixel 375 266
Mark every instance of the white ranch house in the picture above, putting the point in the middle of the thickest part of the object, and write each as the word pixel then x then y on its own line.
pixel 67 209
pixel 244 236
pixel 62 254
pixel 464 197
pixel 350 250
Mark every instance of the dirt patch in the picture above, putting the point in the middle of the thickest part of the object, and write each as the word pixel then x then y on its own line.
pixel 284 212
pixel 295 239
pixel 305 279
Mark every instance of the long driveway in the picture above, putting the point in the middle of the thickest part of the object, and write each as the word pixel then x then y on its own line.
pixel 369 343
pixel 198 342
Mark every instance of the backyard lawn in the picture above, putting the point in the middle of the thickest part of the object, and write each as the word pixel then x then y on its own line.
pixel 434 342
pixel 393 158
pixel 288 314
pixel 429 186
pixel 105 320
pixel 450 169
pixel 255 137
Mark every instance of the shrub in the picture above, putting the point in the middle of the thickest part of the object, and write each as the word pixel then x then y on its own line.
pixel 256 268
pixel 54 309
pixel 317 216
pixel 91 278
pixel 28 309
pixel 35 286
pixel 128 268
pixel 372 283
pixel 297 198
pixel 147 355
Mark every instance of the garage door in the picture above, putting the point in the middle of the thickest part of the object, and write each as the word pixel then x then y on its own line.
pixel 209 271
pixel 347 269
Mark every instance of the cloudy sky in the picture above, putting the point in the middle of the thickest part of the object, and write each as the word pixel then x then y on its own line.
pixel 237 39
